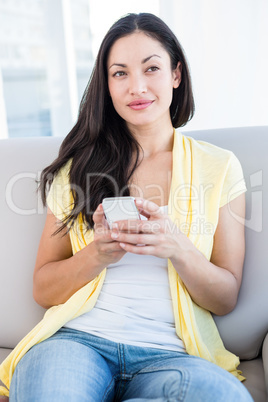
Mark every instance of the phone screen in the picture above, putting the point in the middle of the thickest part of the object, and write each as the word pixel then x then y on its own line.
pixel 120 208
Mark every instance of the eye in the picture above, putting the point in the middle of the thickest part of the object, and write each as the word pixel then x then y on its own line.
pixel 119 73
pixel 153 68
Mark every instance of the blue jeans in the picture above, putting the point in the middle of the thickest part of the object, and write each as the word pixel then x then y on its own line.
pixel 75 366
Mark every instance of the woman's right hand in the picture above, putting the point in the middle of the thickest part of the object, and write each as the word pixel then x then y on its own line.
pixel 109 251
pixel 58 273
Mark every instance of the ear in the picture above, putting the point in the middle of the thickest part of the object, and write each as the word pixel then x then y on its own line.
pixel 177 75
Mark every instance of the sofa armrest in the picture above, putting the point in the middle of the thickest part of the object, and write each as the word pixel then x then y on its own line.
pixel 265 360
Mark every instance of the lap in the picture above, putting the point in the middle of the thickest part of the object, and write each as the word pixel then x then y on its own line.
pixel 74 367
pixel 185 379
pixel 61 370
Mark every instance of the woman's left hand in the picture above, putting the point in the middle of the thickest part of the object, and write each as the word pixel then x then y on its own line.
pixel 157 236
pixel 213 284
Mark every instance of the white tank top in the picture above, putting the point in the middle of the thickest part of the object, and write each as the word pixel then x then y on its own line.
pixel 134 306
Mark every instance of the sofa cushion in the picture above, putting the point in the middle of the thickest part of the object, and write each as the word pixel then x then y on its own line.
pixel 3 354
pixel 255 381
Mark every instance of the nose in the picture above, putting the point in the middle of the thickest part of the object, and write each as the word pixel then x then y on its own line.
pixel 137 85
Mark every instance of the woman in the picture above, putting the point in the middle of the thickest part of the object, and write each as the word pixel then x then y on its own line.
pixel 140 329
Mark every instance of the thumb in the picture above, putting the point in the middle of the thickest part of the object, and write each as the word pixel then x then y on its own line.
pixel 148 208
pixel 99 217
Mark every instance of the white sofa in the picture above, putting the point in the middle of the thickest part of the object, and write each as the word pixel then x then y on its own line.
pixel 244 331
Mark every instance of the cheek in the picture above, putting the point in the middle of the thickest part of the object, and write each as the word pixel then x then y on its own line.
pixel 163 85
pixel 165 91
pixel 110 88
pixel 116 98
pixel 115 92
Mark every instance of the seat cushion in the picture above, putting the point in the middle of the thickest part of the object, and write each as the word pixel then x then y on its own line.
pixel 3 354
pixel 255 381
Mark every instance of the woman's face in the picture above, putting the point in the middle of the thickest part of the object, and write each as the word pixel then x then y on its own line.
pixel 141 80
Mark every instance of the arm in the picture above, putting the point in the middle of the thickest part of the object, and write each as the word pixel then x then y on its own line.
pixel 58 274
pixel 217 283
pixel 214 284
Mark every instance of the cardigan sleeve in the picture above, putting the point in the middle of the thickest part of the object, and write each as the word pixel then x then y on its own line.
pixel 234 183
pixel 59 196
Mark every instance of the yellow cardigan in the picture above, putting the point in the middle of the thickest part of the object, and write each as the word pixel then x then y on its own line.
pixel 204 178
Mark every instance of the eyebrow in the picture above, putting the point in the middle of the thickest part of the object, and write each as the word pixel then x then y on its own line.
pixel 142 62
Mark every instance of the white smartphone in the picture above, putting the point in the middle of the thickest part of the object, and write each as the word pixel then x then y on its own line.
pixel 120 208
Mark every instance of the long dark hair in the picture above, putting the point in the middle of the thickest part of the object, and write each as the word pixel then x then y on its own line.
pixel 100 144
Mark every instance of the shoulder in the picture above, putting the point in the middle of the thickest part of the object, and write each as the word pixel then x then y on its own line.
pixel 61 180
pixel 63 175
pixel 59 196
pixel 206 155
pixel 206 149
pixel 208 161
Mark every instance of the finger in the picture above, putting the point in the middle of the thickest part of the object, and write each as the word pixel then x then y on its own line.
pixel 99 218
pixel 143 213
pixel 140 209
pixel 102 236
pixel 98 215
pixel 138 226
pixel 148 239
pixel 142 250
pixel 111 247
pixel 148 208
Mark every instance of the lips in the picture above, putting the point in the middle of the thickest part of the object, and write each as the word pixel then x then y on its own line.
pixel 140 104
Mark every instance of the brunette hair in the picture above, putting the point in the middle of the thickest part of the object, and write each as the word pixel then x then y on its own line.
pixel 100 144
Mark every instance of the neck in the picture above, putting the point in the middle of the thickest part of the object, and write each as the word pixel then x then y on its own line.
pixel 154 140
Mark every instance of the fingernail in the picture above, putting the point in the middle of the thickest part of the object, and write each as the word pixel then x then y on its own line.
pixel 114 235
pixel 139 202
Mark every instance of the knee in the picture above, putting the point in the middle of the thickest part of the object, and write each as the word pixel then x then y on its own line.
pixel 210 388
pixel 181 385
pixel 175 385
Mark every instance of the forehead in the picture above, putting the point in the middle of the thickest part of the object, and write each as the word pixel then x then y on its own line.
pixel 136 46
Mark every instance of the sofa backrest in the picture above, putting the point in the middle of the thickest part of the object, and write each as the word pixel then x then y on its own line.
pixel 22 221
pixel 23 217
